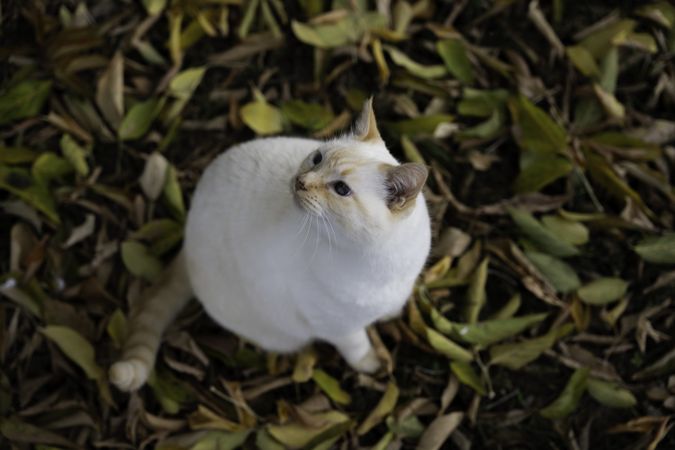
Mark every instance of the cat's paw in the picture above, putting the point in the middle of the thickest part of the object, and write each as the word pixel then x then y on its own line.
pixel 128 375
pixel 369 363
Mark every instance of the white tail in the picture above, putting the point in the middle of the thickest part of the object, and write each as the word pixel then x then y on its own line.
pixel 161 303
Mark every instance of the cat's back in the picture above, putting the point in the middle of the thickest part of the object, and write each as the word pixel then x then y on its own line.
pixel 256 163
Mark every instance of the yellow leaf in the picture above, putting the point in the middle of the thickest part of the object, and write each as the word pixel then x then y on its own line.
pixel 384 407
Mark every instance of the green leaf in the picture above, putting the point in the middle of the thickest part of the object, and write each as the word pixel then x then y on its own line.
pixel 312 116
pixel 488 129
pixel 609 70
pixel 75 154
pixel 20 183
pixel 603 291
pixel 138 260
pixel 661 12
pixel 172 193
pixel 610 394
pixel 465 374
pixel 16 155
pixel 264 441
pixel 475 295
pixel 509 309
pixel 417 69
pixel 221 440
pixel 454 55
pixel 569 398
pixel 560 274
pixel 517 355
pixel 411 151
pixel 169 391
pixel 539 170
pixel 609 102
pixel 602 173
pixel 658 250
pixel 583 61
pixel 297 435
pixel 184 84
pixel 383 408
pixel 446 347
pixel 117 328
pixel 139 118
pixel 422 125
pixel 534 130
pixel 603 39
pixel 347 30
pixel 75 347
pixel 541 236
pixel 488 332
pixel 481 103
pixel 23 100
pixel 568 230
pixel 50 166
pixel 154 7
pixel 331 387
pixel 262 117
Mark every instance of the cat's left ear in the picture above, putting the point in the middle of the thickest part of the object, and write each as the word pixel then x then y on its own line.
pixel 403 183
pixel 366 127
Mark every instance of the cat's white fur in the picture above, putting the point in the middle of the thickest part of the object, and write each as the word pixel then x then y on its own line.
pixel 281 265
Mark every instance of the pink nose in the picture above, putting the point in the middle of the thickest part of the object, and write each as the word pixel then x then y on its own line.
pixel 299 184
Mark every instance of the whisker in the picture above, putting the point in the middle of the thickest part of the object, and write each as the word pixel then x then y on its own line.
pixel 332 230
pixel 325 227
pixel 316 240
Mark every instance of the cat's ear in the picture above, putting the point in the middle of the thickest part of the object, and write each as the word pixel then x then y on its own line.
pixel 403 183
pixel 366 127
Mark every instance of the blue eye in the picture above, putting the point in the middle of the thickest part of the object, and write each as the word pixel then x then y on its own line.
pixel 341 188
pixel 317 158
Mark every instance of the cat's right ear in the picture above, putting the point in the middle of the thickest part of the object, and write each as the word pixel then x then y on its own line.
pixel 366 127
pixel 403 183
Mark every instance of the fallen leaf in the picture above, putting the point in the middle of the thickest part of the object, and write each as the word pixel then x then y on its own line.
pixel 139 261
pixel 110 91
pixel 517 355
pixel 75 347
pixel 439 430
pixel 542 237
pixel 560 274
pixel 467 375
pixel 23 100
pixel 262 117
pixel 569 398
pixel 383 408
pixel 658 250
pixel 153 178
pixel 139 118
pixel 454 55
pixel 331 387
pixel 610 394
pixel 602 291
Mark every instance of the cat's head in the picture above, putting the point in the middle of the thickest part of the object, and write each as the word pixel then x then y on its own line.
pixel 355 183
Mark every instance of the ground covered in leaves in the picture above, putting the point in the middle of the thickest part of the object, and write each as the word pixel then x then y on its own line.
pixel 545 318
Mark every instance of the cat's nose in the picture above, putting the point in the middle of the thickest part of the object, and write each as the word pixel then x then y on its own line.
pixel 299 184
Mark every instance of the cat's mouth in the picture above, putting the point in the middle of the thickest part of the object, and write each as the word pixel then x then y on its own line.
pixel 306 201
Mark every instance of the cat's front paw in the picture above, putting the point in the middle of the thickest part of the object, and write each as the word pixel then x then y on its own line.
pixel 369 363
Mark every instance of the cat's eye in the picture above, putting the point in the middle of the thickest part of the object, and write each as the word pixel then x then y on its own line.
pixel 317 158
pixel 341 188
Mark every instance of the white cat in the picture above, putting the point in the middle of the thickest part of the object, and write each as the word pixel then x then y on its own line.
pixel 292 240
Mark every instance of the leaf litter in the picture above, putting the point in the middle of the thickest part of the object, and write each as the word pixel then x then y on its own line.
pixel 549 130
